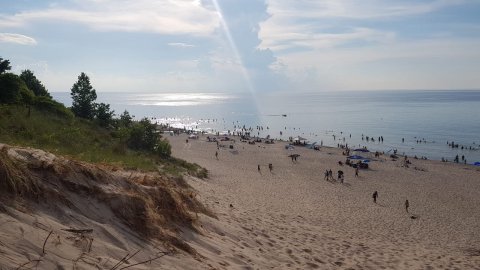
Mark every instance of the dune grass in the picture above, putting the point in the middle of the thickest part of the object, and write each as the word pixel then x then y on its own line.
pixel 81 139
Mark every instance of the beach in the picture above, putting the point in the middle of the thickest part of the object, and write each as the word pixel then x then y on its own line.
pixel 291 218
pixel 244 215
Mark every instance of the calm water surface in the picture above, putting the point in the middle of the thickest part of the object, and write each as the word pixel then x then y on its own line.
pixel 431 116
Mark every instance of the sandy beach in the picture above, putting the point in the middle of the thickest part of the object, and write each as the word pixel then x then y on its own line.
pixel 291 218
pixel 286 218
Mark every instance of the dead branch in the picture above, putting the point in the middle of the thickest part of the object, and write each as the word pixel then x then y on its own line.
pixel 45 242
pixel 147 261
pixel 119 262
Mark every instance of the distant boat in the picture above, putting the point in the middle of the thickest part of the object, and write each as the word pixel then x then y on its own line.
pixel 284 115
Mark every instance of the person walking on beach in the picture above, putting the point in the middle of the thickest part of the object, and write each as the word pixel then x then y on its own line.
pixel 326 175
pixel 375 196
pixel 356 171
pixel 216 155
pixel 258 167
pixel 406 205
pixel 270 167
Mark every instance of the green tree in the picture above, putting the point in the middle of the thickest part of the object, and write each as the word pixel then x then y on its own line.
pixel 83 97
pixel 143 136
pixel 125 119
pixel 104 115
pixel 4 65
pixel 34 84
pixel 14 90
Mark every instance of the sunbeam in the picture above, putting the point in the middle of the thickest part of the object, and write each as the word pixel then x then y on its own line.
pixel 233 47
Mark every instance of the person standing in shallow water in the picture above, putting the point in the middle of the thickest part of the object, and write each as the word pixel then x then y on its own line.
pixel 407 204
pixel 375 196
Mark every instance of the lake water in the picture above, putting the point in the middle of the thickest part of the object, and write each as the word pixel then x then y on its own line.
pixel 434 117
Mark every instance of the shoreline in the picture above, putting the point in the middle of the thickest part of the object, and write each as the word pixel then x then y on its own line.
pixel 277 140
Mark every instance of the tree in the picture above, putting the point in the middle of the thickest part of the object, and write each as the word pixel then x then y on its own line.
pixel 4 65
pixel 14 90
pixel 83 97
pixel 34 84
pixel 125 119
pixel 104 115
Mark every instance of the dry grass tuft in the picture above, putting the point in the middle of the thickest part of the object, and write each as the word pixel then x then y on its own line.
pixel 15 179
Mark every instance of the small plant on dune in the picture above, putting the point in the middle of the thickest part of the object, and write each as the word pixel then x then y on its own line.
pixel 13 178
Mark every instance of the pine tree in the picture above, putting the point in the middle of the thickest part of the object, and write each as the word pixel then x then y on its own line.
pixel 34 84
pixel 83 98
pixel 4 65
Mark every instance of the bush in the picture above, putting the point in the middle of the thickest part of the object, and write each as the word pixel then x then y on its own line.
pixel 163 149
pixel 47 104
pixel 143 136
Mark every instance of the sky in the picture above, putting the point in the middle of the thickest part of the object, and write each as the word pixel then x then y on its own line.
pixel 245 45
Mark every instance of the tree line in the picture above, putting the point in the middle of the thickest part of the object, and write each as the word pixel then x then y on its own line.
pixel 26 89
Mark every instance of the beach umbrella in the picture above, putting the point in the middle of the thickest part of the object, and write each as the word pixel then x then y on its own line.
pixel 355 157
pixel 477 163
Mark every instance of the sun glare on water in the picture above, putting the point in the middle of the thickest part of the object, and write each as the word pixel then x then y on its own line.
pixel 176 99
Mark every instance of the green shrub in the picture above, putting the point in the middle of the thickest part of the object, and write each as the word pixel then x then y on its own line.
pixel 163 149
pixel 45 103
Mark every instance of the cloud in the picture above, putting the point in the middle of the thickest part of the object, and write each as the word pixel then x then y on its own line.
pixel 17 38
pixel 350 44
pixel 354 9
pixel 436 63
pixel 162 16
pixel 305 38
pixel 180 45
pixel 308 24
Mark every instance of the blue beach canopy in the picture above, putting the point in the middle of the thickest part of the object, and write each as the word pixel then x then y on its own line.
pixel 355 157
pixel 477 163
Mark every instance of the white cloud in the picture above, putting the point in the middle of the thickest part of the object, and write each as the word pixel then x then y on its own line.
pixel 354 9
pixel 440 63
pixel 306 23
pixel 181 45
pixel 162 16
pixel 17 38
pixel 324 45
